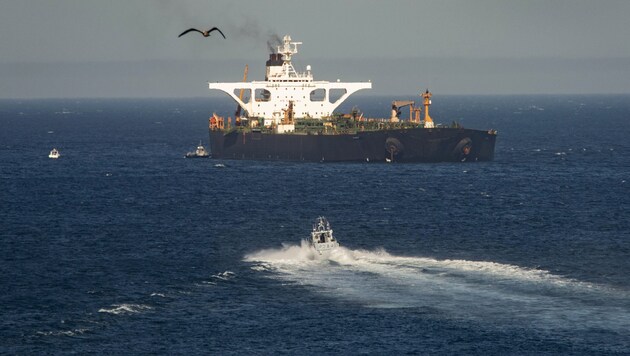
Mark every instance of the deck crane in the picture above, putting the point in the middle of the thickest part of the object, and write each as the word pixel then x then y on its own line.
pixel 237 114
pixel 414 112
pixel 399 104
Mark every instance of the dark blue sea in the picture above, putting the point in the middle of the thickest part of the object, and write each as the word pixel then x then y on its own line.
pixel 122 246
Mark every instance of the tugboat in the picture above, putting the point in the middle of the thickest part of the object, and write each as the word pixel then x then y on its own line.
pixel 199 153
pixel 322 238
pixel 291 116
pixel 54 154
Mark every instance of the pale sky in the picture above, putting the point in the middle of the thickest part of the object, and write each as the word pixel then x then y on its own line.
pixel 116 48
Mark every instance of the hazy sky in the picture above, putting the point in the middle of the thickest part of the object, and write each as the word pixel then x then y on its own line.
pixel 116 48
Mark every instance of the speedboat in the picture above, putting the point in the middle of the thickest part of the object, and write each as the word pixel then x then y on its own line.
pixel 322 238
pixel 54 154
pixel 199 153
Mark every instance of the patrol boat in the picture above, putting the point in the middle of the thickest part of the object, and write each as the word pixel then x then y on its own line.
pixel 291 116
pixel 322 238
pixel 200 152
pixel 54 154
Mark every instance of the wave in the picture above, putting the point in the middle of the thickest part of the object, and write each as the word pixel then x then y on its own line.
pixel 476 290
pixel 125 309
pixel 218 278
pixel 224 276
pixel 73 332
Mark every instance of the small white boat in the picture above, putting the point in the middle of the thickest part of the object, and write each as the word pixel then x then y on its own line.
pixel 199 153
pixel 322 238
pixel 54 154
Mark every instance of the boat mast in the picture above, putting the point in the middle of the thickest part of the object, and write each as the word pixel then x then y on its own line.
pixel 428 122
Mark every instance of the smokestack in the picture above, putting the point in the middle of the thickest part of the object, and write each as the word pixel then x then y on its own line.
pixel 274 65
pixel 275 59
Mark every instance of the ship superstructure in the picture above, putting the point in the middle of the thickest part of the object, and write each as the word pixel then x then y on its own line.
pixel 286 89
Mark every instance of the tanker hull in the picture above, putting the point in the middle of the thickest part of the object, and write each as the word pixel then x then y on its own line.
pixel 396 145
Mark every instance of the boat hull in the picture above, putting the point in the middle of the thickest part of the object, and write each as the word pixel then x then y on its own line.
pixel 397 145
pixel 325 247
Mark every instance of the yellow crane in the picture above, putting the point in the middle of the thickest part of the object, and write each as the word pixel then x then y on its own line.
pixel 399 104
pixel 414 112
pixel 237 114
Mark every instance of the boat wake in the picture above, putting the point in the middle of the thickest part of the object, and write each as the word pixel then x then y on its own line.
pixel 502 294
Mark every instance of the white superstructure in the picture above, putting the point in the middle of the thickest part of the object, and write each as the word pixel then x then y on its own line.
pixel 284 89
pixel 54 154
pixel 322 238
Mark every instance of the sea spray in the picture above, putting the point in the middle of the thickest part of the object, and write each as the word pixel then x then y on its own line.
pixel 287 254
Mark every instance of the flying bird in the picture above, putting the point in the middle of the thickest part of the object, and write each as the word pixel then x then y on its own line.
pixel 204 33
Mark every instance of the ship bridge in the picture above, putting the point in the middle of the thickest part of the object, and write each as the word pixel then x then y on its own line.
pixel 285 88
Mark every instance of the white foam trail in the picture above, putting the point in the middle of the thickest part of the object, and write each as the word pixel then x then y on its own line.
pixel 125 309
pixel 286 254
pixel 484 291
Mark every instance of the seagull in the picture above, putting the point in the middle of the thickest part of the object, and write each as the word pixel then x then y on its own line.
pixel 204 33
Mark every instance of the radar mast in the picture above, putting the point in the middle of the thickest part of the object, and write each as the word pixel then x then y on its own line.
pixel 287 50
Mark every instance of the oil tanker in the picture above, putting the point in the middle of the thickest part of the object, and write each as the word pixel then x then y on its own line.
pixel 290 116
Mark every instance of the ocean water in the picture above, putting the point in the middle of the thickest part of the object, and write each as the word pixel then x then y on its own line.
pixel 122 246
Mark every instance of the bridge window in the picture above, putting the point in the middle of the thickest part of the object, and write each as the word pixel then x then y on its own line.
pixel 318 95
pixel 336 94
pixel 262 95
pixel 243 93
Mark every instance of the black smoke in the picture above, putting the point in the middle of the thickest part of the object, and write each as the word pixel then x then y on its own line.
pixel 273 42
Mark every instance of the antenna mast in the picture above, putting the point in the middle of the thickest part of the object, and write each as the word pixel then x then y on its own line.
pixel 287 50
